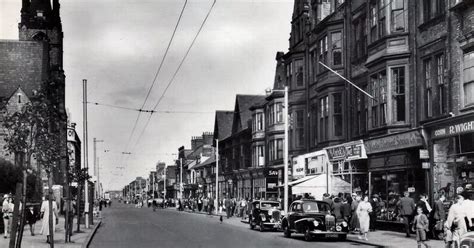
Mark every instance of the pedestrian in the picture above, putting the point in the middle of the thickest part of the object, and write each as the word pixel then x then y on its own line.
pixel 423 203
pixel 354 218
pixel 406 207
pixel 45 211
pixel 455 223
pixel 439 215
pixel 336 207
pixel 233 206
pixel 375 202
pixel 199 203
pixel 243 206
pixel 228 207
pixel 420 225
pixel 346 209
pixel 327 198
pixel 31 216
pixel 363 210
pixel 6 210
pixel 210 208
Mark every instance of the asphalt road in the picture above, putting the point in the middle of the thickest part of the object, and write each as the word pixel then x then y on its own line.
pixel 125 226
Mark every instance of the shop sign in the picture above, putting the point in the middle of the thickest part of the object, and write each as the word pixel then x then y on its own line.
pixel 298 167
pixel 425 165
pixel 454 129
pixel 272 173
pixel 394 142
pixel 271 184
pixel 347 151
pixel 424 154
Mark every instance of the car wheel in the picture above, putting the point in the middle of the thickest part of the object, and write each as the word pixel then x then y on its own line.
pixel 342 237
pixel 261 228
pixel 286 230
pixel 307 234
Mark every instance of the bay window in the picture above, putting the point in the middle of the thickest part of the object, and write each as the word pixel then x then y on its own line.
pixel 468 79
pixel 337 115
pixel 428 87
pixel 441 86
pixel 398 16
pixel 398 81
pixel 323 118
pixel 336 41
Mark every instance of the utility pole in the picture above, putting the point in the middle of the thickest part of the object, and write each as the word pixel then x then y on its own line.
pixel 96 168
pixel 86 165
pixel 217 174
pixel 181 179
pixel 164 183
pixel 285 153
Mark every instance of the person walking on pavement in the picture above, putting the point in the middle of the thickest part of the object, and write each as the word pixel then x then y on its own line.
pixel 243 205
pixel 228 207
pixel 31 216
pixel 439 216
pixel 336 207
pixel 363 210
pixel 375 202
pixel 355 219
pixel 6 215
pixel 346 209
pixel 45 210
pixel 423 203
pixel 455 223
pixel 406 206
pixel 420 226
pixel 210 206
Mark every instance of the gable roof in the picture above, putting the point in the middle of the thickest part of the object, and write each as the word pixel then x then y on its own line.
pixel 242 112
pixel 223 124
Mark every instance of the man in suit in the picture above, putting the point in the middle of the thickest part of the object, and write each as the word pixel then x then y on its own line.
pixel 228 206
pixel 406 207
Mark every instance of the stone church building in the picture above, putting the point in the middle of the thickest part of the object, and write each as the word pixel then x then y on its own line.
pixel 36 57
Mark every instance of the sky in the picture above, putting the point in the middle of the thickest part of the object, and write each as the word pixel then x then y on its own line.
pixel 117 45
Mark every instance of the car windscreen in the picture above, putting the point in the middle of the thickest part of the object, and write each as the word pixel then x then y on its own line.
pixel 270 204
pixel 310 207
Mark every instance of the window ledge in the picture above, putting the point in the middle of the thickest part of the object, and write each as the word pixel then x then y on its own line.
pixel 431 22
pixel 467 108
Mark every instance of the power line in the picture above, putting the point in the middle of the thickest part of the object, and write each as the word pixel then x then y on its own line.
pixel 150 111
pixel 156 74
pixel 177 70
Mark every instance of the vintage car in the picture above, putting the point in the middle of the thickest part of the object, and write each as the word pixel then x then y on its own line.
pixel 313 218
pixel 467 240
pixel 265 215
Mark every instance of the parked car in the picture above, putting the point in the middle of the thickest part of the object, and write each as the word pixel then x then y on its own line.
pixel 265 215
pixel 314 219
pixel 467 240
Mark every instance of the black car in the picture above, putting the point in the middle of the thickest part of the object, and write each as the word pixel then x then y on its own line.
pixel 313 218
pixel 265 215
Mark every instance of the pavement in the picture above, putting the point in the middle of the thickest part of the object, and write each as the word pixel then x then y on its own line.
pixel 39 241
pixel 126 226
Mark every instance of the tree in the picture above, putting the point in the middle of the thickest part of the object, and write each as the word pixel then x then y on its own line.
pixel 35 131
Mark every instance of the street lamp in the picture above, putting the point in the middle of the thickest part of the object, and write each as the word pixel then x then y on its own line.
pixel 285 146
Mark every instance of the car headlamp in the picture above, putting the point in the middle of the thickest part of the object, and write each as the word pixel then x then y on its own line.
pixel 344 224
pixel 263 217
pixel 338 228
pixel 316 223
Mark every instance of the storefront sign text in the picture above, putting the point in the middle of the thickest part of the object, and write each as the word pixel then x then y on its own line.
pixel 394 142
pixel 455 129
pixel 348 151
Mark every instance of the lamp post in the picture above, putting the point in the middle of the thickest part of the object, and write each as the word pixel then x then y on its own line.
pixel 285 147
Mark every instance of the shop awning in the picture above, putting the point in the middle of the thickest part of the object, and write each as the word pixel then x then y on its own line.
pixel 317 186
pixel 301 180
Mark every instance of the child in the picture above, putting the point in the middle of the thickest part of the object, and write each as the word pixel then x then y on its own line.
pixel 421 224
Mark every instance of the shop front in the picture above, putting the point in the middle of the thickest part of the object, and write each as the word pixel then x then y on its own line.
pixel 258 183
pixel 271 184
pixel 451 147
pixel 394 166
pixel 247 185
pixel 348 162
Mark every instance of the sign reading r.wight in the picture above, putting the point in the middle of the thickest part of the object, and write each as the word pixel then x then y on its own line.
pixel 454 129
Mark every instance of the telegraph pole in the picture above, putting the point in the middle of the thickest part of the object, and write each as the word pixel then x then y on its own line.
pixel 217 174
pixel 181 179
pixel 86 165
pixel 285 153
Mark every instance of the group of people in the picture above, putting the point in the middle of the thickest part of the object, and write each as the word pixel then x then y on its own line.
pixel 200 203
pixel 230 205
pixel 31 216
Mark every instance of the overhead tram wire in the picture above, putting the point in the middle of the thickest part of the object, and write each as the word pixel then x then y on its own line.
pixel 176 72
pixel 149 110
pixel 156 74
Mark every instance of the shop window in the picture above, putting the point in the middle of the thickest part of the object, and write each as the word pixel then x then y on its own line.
pixel 337 115
pixel 336 40
pixel 397 16
pixel 441 85
pixel 299 128
pixel 468 84
pixel 323 118
pixel 299 73
pixel 398 77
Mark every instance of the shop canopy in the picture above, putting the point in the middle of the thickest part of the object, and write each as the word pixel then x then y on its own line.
pixel 317 186
pixel 303 179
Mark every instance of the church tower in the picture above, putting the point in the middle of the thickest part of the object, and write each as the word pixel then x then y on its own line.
pixel 40 21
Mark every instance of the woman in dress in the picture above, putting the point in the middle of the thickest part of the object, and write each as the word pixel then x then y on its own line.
pixel 363 210
pixel 45 210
